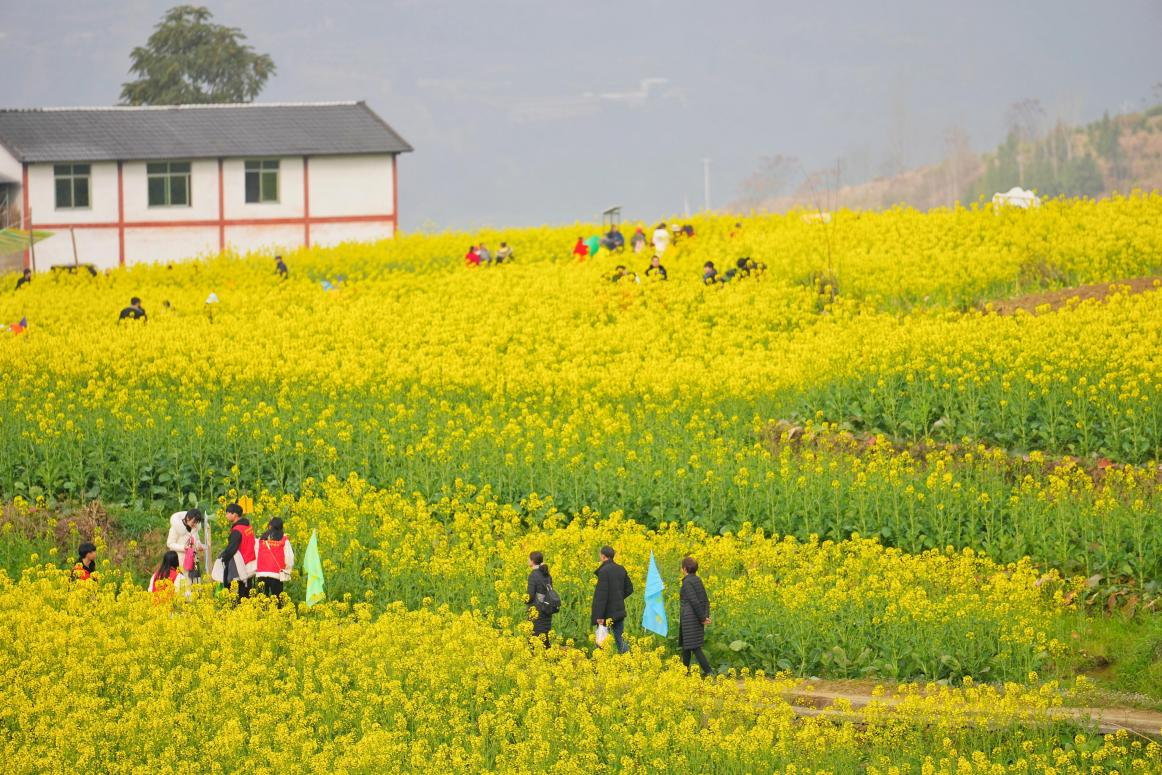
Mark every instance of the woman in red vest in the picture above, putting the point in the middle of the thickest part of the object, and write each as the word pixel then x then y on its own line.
pixel 276 559
pixel 168 579
pixel 238 559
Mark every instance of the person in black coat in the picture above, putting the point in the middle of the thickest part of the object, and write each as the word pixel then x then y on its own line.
pixel 539 583
pixel 613 587
pixel 694 616
pixel 133 312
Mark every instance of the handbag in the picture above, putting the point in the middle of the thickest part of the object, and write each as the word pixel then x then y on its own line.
pixel 218 572
pixel 190 559
pixel 602 634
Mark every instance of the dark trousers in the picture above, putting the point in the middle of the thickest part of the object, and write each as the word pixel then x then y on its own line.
pixel 616 630
pixel 270 587
pixel 244 587
pixel 703 662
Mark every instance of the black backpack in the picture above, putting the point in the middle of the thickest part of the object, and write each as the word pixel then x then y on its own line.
pixel 548 602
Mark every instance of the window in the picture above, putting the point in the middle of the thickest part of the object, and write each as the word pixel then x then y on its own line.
pixel 169 183
pixel 72 186
pixel 262 181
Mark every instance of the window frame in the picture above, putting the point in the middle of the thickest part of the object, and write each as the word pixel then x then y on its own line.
pixel 262 168
pixel 169 176
pixel 73 177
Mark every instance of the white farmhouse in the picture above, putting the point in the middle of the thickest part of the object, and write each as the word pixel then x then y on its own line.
pixel 153 184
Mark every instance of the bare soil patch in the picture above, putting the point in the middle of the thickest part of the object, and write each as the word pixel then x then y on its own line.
pixel 1052 300
pixel 820 698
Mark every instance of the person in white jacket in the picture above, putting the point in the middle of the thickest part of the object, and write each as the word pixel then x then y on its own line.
pixel 183 533
pixel 276 559
pixel 661 239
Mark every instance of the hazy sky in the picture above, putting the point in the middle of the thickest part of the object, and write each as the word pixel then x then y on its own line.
pixel 537 111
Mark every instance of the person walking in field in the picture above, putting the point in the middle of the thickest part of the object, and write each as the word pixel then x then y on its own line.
pixel 86 566
pixel 656 269
pixel 542 597
pixel 638 240
pixel 275 559
pixel 472 257
pixel 485 256
pixel 661 239
pixel 280 267
pixel 504 253
pixel 183 538
pixel 133 312
pixel 694 616
pixel 168 580
pixel 609 596
pixel 709 273
pixel 239 558
pixel 581 250
pixel 25 279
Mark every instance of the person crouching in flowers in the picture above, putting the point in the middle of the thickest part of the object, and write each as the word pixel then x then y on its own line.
pixel 169 579
pixel 694 617
pixel 276 559
pixel 543 599
pixel 86 567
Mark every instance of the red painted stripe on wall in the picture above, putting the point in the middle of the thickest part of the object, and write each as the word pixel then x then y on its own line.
pixel 120 214
pixel 306 202
pixel 212 222
pixel 394 195
pixel 26 214
pixel 221 209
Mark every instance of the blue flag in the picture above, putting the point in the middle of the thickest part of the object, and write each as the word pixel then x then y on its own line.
pixel 654 617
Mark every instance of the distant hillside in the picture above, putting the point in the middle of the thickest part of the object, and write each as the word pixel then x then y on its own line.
pixel 1118 153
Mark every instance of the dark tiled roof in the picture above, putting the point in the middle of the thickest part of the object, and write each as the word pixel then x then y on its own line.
pixel 196 132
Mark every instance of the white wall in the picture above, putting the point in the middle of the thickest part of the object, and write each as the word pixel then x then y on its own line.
pixel 98 247
pixel 171 243
pixel 327 234
pixel 247 239
pixel 203 194
pixel 351 185
pixel 102 195
pixel 290 191
pixel 11 171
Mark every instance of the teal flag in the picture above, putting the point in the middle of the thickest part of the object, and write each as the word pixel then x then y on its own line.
pixel 314 568
pixel 654 617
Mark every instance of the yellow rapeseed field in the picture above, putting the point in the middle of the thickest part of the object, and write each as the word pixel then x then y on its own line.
pixel 98 676
pixel 880 476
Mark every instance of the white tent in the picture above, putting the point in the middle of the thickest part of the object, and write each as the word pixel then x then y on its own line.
pixel 1017 197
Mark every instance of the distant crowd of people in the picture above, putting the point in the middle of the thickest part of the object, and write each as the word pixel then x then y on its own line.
pixel 480 255
pixel 248 564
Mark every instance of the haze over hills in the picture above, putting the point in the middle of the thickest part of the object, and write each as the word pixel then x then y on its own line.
pixel 1116 153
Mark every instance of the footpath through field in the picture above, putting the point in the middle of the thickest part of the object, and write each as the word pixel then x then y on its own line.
pixel 842 700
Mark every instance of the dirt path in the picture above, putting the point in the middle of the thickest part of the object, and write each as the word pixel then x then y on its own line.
pixel 817 698
pixel 1058 299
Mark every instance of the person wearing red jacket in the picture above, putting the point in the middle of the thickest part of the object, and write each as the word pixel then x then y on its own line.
pixel 581 250
pixel 239 559
pixel 473 257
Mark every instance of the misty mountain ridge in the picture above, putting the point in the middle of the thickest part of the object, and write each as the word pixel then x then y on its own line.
pixel 1113 154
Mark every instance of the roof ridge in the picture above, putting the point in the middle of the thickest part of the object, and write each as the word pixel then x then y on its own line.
pixel 209 105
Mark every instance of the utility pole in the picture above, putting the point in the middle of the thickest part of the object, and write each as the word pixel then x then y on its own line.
pixel 706 183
